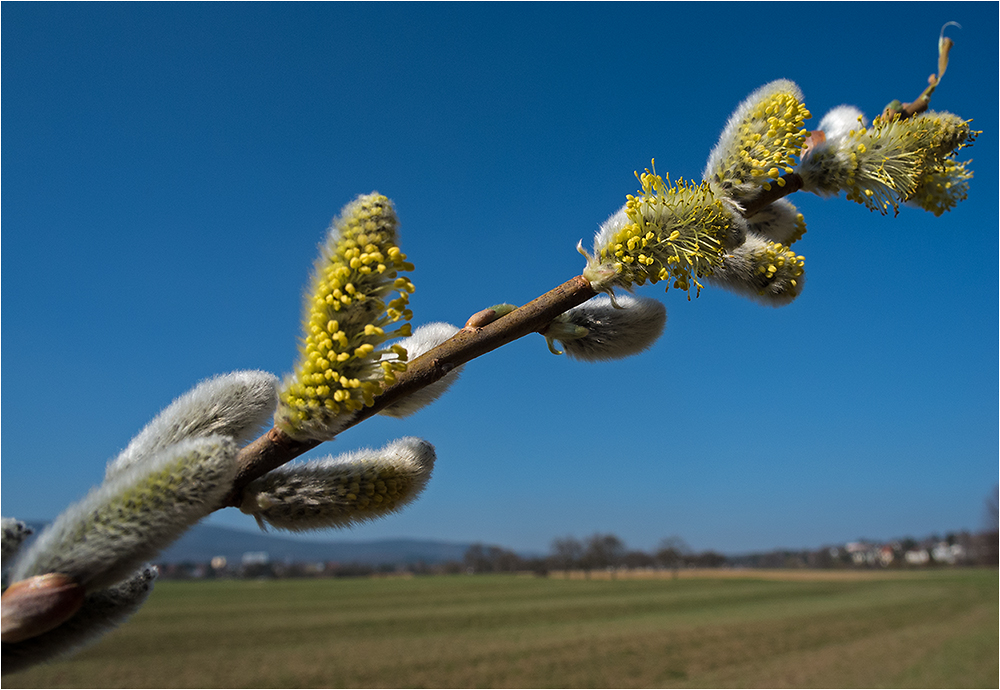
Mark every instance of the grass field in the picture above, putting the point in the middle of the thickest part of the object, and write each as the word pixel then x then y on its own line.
pixel 927 629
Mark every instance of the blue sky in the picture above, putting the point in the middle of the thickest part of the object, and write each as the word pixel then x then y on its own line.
pixel 168 170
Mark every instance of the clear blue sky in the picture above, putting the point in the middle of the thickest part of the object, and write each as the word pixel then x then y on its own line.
pixel 168 170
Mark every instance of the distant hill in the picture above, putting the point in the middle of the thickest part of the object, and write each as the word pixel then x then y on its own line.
pixel 201 543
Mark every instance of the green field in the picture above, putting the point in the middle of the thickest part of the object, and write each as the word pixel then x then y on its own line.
pixel 927 629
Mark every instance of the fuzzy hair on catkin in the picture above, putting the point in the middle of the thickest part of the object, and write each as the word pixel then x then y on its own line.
pixel 764 271
pixel 127 520
pixel 424 339
pixel 826 167
pixel 102 611
pixel 667 232
pixel 839 121
pixel 343 491
pixel 779 221
pixel 342 364
pixel 610 229
pixel 891 162
pixel 236 405
pixel 14 534
pixel 759 143
pixel 598 330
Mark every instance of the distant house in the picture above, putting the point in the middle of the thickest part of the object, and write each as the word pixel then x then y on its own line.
pixel 255 558
pixel 863 553
pixel 943 552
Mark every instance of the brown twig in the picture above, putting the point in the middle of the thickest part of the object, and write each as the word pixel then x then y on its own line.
pixel 275 448
pixel 908 110
pixel 923 101
pixel 792 183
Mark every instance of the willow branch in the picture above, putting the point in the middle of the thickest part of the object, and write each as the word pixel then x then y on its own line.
pixel 275 448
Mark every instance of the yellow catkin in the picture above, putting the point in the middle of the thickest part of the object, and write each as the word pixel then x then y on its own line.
pixel 760 142
pixel 341 367
pixel 670 232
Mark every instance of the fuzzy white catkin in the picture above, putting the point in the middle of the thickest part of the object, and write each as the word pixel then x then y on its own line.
pixel 839 121
pixel 741 272
pixel 342 491
pixel 826 166
pixel 101 612
pixel 779 221
pixel 234 405
pixel 424 339
pixel 14 534
pixel 598 330
pixel 127 520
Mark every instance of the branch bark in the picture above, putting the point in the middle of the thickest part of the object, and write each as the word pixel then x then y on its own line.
pixel 792 183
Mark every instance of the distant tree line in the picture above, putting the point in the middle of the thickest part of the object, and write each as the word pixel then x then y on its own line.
pixel 608 553
pixel 598 552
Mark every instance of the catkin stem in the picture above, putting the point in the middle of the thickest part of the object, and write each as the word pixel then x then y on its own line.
pixel 792 183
